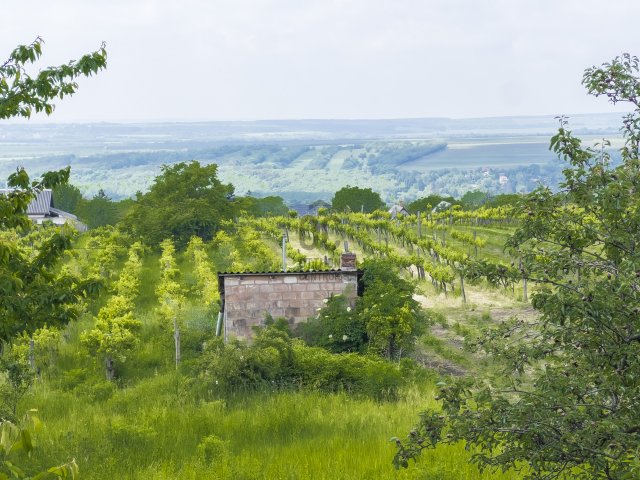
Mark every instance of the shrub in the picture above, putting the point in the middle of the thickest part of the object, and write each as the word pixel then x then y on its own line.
pixel 337 328
pixel 212 448
pixel 275 360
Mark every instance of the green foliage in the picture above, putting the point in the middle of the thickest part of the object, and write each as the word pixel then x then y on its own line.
pixel 504 200
pixel 32 292
pixel 357 199
pixel 474 199
pixel 386 320
pixel 213 449
pixel 115 330
pixel 169 291
pixel 245 250
pixel 276 360
pixel 428 203
pixel 67 197
pixel 186 199
pixel 207 281
pixel 45 340
pixel 22 94
pixel 18 439
pixel 16 377
pixel 13 205
pixel 566 403
pixel 392 318
pixel 263 207
pixel 99 211
pixel 337 328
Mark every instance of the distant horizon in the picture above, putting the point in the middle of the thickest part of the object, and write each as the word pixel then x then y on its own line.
pixel 53 121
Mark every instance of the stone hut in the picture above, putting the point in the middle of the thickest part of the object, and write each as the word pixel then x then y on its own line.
pixel 248 297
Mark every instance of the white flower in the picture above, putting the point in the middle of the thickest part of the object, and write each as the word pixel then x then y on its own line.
pixel 348 309
pixel 330 336
pixel 344 338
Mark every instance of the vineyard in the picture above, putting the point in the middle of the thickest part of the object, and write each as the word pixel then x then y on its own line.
pixel 137 369
pixel 486 338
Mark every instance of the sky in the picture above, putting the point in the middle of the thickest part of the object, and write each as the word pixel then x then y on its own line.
pixel 199 60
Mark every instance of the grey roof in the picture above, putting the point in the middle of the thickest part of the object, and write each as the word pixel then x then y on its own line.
pixel 62 213
pixel 41 205
pixel 398 210
pixel 443 205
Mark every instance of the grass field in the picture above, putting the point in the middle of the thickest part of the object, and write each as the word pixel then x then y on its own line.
pixel 156 430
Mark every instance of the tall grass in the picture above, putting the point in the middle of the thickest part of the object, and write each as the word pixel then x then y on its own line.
pixel 158 430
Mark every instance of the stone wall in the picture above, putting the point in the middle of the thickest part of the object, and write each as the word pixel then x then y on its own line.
pixel 294 296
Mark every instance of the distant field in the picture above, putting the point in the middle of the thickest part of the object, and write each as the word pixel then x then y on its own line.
pixel 486 152
pixel 303 160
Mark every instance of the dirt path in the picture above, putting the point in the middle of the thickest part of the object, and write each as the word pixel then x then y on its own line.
pixel 482 307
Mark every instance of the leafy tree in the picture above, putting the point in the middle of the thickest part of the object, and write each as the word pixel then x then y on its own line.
pixel 357 199
pixel 31 293
pixel 474 199
pixel 337 328
pixel 504 200
pixel 16 379
pixel 186 199
pixel 28 284
pixel 170 293
pixel 263 207
pixel 67 197
pixel 392 318
pixel 567 403
pixel 115 330
pixel 426 204
pixel 99 211
pixel 21 94
pixel 207 281
pixel 40 349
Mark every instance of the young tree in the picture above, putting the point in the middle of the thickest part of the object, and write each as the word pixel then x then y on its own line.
pixel 171 294
pixel 391 316
pixel 568 405
pixel 114 334
pixel 207 281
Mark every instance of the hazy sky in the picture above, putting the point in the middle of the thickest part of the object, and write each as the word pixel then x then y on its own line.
pixel 268 59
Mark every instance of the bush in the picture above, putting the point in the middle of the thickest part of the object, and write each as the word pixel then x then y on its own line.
pixel 337 328
pixel 386 319
pixel 357 374
pixel 275 360
pixel 212 448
